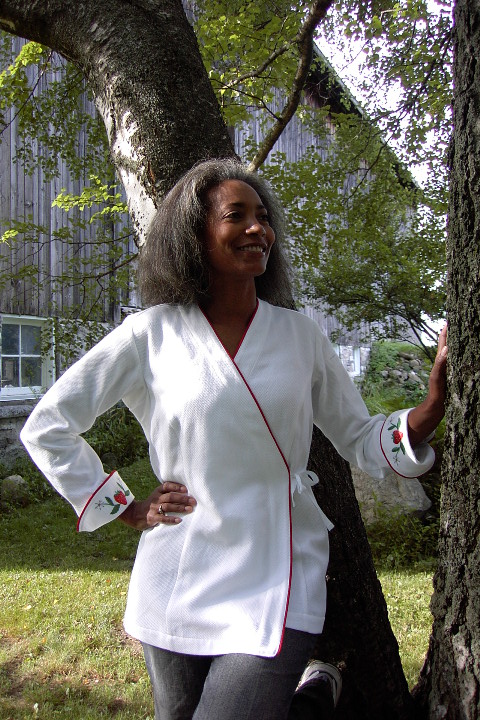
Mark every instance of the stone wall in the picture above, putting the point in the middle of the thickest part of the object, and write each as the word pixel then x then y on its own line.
pixel 392 494
pixel 12 418
pixel 409 371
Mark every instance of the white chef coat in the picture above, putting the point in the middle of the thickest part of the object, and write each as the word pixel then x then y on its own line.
pixel 252 557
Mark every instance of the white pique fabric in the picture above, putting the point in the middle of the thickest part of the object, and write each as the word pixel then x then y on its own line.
pixel 237 433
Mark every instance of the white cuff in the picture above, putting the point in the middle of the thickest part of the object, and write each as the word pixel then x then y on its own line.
pixel 107 503
pixel 398 452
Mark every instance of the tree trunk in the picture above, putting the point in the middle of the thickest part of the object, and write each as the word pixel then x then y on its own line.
pixel 143 63
pixel 449 686
pixel 357 634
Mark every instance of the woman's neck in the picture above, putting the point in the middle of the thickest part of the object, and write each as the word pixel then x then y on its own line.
pixel 230 314
pixel 230 305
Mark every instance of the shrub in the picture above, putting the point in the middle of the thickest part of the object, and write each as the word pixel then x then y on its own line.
pixel 117 438
pixel 38 486
pixel 399 541
pixel 385 356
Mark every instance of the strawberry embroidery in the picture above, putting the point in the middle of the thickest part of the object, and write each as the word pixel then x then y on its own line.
pixel 397 436
pixel 119 498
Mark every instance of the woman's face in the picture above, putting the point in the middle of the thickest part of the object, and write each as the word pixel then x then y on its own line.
pixel 238 236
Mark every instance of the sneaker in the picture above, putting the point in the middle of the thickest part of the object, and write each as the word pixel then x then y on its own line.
pixel 323 672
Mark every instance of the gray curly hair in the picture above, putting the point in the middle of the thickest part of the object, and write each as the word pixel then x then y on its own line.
pixel 173 266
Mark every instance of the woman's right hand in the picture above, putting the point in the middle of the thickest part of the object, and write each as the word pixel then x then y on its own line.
pixel 171 497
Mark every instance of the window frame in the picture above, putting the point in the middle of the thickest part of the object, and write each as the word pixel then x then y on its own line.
pixel 47 365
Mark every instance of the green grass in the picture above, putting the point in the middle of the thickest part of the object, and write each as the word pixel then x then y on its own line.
pixel 407 593
pixel 63 651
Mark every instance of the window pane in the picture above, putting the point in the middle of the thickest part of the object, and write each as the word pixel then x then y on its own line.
pixel 31 372
pixel 10 337
pixel 31 339
pixel 10 372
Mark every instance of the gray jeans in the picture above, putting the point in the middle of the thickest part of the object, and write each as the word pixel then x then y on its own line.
pixel 236 686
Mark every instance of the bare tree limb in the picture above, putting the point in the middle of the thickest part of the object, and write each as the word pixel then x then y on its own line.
pixel 304 42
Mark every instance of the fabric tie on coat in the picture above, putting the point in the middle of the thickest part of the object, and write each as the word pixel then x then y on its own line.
pixel 307 479
pixel 297 483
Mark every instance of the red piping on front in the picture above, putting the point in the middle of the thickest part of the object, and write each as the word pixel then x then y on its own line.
pixel 289 497
pixel 92 496
pixel 279 450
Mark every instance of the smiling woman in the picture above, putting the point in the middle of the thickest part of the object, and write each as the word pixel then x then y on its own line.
pixel 228 590
pixel 238 236
pixel 174 264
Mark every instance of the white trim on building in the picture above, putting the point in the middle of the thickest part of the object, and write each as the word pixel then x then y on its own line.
pixel 25 374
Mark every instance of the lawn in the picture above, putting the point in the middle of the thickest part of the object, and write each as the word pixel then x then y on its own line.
pixel 63 651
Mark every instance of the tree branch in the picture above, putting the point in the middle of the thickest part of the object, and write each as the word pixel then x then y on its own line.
pixel 260 69
pixel 30 96
pixel 304 41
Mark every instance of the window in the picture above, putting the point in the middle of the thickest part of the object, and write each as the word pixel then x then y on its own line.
pixel 24 373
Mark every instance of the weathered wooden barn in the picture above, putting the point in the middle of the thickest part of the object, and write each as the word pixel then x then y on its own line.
pixel 40 267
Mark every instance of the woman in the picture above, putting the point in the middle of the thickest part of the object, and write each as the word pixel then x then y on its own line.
pixel 228 600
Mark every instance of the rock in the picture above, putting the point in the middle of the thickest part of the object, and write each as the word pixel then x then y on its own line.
pixel 393 493
pixel 14 490
pixel 414 378
pixel 109 461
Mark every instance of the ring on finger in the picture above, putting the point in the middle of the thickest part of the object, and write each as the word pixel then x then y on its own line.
pixel 161 511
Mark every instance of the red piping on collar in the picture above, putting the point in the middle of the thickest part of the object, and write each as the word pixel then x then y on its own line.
pixel 241 339
pixel 289 498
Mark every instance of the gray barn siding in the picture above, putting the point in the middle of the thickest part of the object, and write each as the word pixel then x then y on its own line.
pixel 46 255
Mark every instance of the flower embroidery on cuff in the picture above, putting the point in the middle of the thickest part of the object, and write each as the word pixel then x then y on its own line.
pixel 119 498
pixel 397 436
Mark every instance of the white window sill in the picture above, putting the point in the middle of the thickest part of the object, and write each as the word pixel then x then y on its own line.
pixel 34 393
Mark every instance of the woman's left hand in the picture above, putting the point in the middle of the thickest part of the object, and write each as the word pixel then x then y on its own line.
pixel 423 419
pixel 437 382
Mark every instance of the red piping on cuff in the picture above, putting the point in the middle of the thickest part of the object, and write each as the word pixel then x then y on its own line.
pixel 92 496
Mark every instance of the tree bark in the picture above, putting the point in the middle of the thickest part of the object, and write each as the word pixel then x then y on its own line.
pixel 142 62
pixel 449 686
pixel 357 634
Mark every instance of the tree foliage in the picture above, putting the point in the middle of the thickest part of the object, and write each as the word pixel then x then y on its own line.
pixel 52 107
pixel 363 244
pixel 59 133
pixel 249 51
pixel 398 56
pixel 361 252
